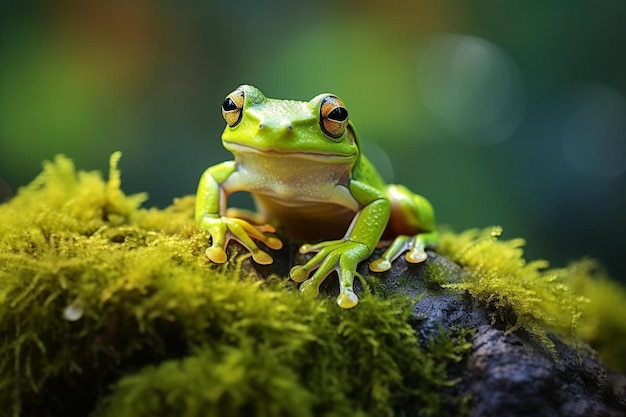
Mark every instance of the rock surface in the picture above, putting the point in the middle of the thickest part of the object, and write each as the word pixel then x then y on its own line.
pixel 506 374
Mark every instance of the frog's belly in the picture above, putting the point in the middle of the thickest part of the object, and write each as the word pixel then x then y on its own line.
pixel 308 221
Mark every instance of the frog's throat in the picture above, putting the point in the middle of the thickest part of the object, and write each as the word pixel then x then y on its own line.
pixel 237 148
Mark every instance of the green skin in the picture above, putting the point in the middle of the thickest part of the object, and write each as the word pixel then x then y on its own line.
pixel 310 186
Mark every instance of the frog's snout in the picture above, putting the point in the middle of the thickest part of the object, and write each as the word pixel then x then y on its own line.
pixel 276 127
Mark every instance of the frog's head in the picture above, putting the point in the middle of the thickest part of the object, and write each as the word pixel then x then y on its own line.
pixel 318 129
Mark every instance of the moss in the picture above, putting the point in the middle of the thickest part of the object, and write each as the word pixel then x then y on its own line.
pixel 438 275
pixel 518 293
pixel 110 308
pixel 576 301
pixel 603 323
pixel 227 381
pixel 351 372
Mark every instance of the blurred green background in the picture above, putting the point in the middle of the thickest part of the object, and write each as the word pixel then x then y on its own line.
pixel 508 113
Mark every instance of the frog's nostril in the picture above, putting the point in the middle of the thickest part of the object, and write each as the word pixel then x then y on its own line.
pixel 277 126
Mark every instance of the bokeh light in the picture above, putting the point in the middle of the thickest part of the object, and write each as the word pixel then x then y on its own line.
pixel 594 135
pixel 500 113
pixel 471 87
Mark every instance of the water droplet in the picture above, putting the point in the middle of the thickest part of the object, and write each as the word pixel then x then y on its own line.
pixel 496 231
pixel 74 311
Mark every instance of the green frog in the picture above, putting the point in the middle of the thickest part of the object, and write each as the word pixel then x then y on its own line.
pixel 302 163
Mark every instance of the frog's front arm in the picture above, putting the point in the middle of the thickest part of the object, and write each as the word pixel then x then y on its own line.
pixel 344 255
pixel 211 216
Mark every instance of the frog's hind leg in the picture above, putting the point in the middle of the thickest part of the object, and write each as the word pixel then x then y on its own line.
pixel 414 246
pixel 417 252
pixel 399 245
pixel 413 223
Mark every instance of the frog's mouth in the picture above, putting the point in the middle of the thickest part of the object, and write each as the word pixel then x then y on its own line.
pixel 316 156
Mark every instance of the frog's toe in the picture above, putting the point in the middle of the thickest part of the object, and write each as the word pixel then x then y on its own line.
pixel 380 265
pixel 274 243
pixel 347 299
pixel 309 289
pixel 299 273
pixel 416 256
pixel 262 258
pixel 216 254
pixel 306 248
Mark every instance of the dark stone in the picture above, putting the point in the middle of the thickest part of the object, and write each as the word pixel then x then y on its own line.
pixel 505 374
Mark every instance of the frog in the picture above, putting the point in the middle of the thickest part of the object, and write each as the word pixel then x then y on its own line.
pixel 302 163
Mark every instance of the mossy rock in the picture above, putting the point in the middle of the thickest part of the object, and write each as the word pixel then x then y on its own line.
pixel 109 309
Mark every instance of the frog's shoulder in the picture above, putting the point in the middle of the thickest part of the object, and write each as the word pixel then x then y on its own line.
pixel 364 171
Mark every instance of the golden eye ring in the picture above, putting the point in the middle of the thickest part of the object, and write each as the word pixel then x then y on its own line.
pixel 232 108
pixel 333 117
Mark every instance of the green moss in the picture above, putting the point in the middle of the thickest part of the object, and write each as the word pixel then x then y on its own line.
pixel 112 309
pixel 349 372
pixel 576 301
pixel 603 323
pixel 523 294
pixel 227 381
pixel 103 302
pixel 438 275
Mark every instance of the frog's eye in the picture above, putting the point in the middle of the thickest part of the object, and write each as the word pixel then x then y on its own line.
pixel 333 117
pixel 232 108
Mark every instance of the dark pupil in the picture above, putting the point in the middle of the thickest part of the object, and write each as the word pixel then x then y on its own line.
pixel 338 114
pixel 229 104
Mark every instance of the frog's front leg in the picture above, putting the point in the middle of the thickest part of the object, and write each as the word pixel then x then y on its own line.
pixel 413 222
pixel 344 255
pixel 211 215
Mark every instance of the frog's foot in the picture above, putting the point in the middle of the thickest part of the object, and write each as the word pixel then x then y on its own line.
pixel 223 229
pixel 341 256
pixel 413 245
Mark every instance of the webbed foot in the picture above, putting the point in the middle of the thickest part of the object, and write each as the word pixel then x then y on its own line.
pixel 222 229
pixel 414 246
pixel 342 256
